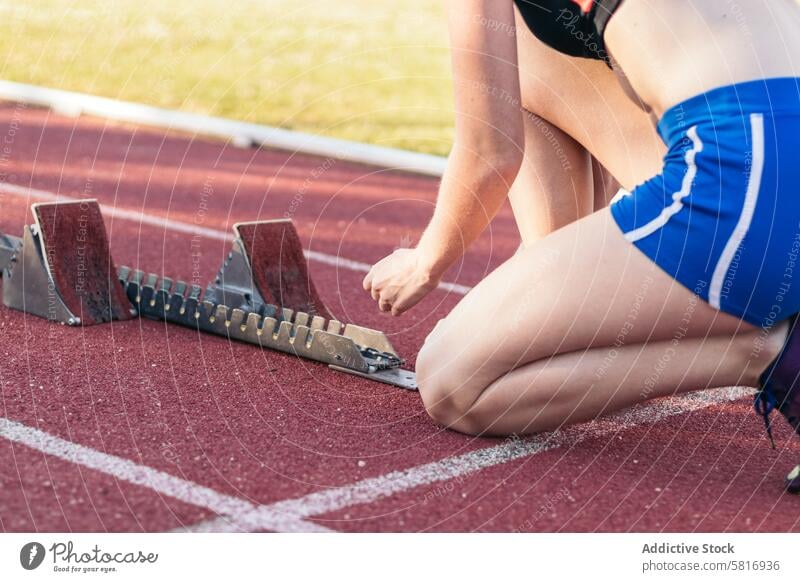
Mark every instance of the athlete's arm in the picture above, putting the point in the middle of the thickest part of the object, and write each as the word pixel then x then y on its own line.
pixel 485 158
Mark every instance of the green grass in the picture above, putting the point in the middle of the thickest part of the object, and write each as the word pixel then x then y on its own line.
pixel 369 71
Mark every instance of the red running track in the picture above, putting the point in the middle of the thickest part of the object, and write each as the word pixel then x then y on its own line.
pixel 263 427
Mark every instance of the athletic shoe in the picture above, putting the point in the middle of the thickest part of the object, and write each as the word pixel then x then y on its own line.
pixel 780 388
pixel 793 480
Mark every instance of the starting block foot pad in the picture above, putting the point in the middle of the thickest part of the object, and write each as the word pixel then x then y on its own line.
pixel 279 271
pixel 64 270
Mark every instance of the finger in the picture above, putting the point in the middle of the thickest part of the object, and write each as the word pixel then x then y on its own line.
pixel 367 282
pixel 399 307
pixel 385 301
pixel 403 303
pixel 376 294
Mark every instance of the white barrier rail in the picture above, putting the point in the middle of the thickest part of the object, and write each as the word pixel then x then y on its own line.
pixel 239 133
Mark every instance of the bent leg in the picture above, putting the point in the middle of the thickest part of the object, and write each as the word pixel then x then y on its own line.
pixel 582 287
pixel 558 182
pixel 585 99
pixel 605 186
pixel 554 186
pixel 579 386
pixel 583 136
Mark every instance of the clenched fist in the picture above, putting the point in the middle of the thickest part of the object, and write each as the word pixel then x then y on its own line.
pixel 399 281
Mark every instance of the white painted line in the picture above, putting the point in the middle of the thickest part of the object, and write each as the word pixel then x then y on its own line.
pixel 195 229
pixel 158 481
pixel 284 515
pixel 291 515
pixel 238 132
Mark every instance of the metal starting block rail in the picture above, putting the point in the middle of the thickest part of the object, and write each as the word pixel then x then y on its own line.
pixel 62 270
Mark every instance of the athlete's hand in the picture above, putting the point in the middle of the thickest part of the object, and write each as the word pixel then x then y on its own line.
pixel 400 281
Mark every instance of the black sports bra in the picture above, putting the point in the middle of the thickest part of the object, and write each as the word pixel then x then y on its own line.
pixel 572 27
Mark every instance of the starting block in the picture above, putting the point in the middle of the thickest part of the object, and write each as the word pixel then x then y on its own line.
pixel 266 267
pixel 62 270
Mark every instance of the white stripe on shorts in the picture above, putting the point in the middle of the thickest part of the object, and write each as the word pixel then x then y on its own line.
pixel 746 217
pixel 621 193
pixel 677 197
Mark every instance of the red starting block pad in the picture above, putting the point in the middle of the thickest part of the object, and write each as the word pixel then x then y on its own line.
pixel 267 266
pixel 64 271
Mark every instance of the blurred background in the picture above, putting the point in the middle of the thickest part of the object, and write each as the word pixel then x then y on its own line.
pixel 375 72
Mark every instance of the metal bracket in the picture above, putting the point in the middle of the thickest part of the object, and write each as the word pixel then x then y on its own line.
pixel 28 287
pixel 9 247
pixel 349 348
pixel 62 270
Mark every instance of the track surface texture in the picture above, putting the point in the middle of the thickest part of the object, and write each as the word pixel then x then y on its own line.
pixel 141 426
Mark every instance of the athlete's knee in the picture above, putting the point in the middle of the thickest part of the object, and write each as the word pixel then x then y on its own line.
pixel 447 411
pixel 435 386
pixel 444 391
pixel 445 408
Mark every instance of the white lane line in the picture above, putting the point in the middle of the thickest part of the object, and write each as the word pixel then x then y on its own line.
pixel 196 229
pixel 186 491
pixel 290 515
pixel 285 515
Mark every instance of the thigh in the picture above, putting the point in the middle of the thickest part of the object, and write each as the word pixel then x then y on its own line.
pixel 583 286
pixel 584 99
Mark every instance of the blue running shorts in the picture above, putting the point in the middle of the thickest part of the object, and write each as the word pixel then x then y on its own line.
pixel 723 217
